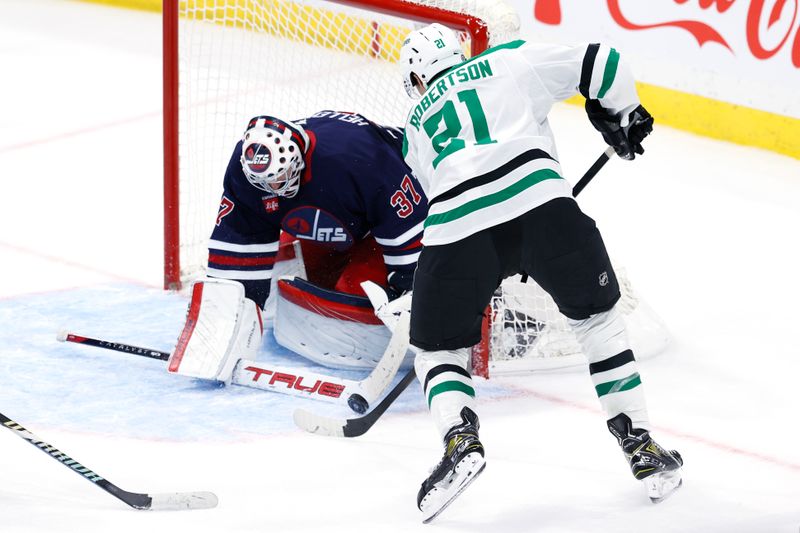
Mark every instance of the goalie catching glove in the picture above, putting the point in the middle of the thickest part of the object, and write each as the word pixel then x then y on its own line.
pixel 624 132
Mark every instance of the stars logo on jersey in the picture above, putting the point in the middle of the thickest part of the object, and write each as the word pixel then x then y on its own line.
pixel 270 204
pixel 314 224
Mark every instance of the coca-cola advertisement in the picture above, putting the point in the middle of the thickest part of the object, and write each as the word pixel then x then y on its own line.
pixel 745 52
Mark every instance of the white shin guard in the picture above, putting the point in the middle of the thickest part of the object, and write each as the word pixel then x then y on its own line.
pixel 612 365
pixel 447 385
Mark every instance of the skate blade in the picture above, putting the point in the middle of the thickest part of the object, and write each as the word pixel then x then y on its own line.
pixel 662 486
pixel 467 471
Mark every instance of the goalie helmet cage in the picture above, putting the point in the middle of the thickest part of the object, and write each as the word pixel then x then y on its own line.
pixel 226 61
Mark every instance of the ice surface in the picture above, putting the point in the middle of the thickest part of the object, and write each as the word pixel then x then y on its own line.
pixel 707 232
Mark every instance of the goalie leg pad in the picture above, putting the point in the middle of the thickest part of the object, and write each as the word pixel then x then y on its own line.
pixel 331 328
pixel 222 326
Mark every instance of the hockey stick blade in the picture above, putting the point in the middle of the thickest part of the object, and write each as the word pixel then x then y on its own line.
pixel 167 501
pixel 146 502
pixel 178 501
pixel 352 427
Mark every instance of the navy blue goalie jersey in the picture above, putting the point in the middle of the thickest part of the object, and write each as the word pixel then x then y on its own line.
pixel 355 184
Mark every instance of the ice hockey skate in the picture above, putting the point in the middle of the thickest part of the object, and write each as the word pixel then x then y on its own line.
pixel 463 461
pixel 656 467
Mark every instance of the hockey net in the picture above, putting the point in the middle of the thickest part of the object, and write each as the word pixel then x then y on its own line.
pixel 524 331
pixel 228 60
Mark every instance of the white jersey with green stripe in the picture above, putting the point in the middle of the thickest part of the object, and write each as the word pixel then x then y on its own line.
pixel 479 141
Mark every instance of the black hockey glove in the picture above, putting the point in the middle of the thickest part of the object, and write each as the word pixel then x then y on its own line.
pixel 627 141
pixel 400 282
pixel 393 293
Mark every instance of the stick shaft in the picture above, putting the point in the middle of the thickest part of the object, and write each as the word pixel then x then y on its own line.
pixel 139 501
pixel 293 381
pixel 593 170
pixel 116 346
pixel 358 426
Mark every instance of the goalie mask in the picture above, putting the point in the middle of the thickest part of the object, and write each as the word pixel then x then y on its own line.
pixel 426 53
pixel 272 155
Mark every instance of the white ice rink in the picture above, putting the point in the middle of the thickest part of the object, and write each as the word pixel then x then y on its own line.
pixel 707 232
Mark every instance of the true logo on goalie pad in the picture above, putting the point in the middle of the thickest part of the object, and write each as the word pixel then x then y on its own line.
pixel 323 388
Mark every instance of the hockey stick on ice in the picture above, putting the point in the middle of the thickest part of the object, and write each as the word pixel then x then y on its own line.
pixel 358 395
pixel 64 336
pixel 174 501
pixel 354 427
pixel 335 427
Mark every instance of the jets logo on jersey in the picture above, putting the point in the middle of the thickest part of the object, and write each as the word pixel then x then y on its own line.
pixel 257 158
pixel 317 225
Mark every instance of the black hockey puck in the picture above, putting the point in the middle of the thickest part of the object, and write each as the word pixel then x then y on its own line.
pixel 358 403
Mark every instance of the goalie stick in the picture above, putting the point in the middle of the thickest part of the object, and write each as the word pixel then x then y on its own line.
pixel 355 427
pixel 358 395
pixel 64 336
pixel 170 501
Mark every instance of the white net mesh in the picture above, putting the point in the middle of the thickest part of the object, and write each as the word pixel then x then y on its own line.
pixel 528 333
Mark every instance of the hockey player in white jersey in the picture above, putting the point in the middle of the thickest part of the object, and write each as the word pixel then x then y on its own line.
pixel 479 142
